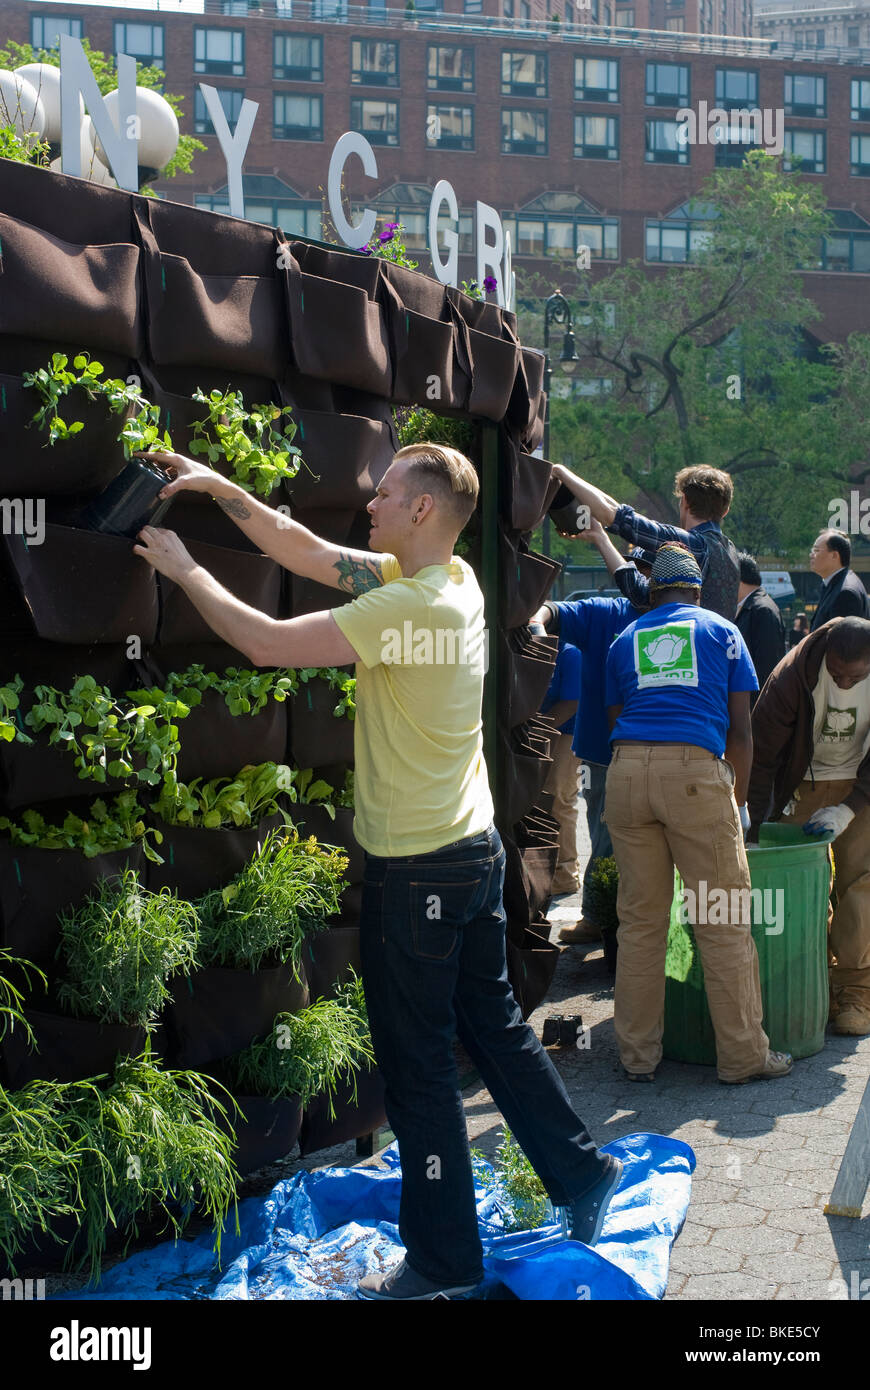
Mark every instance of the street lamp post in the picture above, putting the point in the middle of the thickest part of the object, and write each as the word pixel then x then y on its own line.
pixel 556 311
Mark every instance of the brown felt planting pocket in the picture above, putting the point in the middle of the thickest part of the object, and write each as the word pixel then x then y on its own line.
pixel 230 321
pixel 82 586
pixel 329 958
pixel 216 743
pixel 532 489
pixel 424 349
pixel 58 289
pixel 526 582
pixel 196 860
pixel 351 1118
pixel 345 457
pixel 531 967
pixel 38 885
pixel 494 368
pixel 525 398
pixel 254 579
pixel 265 1132
pixel 317 735
pixel 31 467
pixel 217 1012
pixel 314 820
pixel 70 1049
pixel 339 333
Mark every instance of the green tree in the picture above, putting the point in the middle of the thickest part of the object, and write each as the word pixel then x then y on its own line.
pixel 104 68
pixel 715 362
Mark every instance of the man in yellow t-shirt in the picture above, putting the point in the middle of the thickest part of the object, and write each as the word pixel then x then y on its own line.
pixel 432 924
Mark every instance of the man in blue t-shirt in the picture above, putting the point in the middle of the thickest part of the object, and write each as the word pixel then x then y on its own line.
pixel 678 686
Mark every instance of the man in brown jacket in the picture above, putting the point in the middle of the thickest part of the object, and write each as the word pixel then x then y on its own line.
pixel 811 732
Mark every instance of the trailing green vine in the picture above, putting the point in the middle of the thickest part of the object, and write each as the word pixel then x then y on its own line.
pixel 260 451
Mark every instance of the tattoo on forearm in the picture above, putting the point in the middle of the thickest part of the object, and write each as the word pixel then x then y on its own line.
pixel 358 576
pixel 235 507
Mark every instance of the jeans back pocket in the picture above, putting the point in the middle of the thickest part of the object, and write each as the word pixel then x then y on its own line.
pixel 439 908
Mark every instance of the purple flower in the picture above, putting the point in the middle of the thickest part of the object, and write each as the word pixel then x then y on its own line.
pixel 388 233
pixel 490 284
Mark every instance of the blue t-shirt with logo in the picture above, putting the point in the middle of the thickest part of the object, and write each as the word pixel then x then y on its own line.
pixel 672 671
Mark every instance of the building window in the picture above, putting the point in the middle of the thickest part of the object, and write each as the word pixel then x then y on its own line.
pixel 297 117
pixel 525 11
pixel 523 132
pixel 852 38
pixel 46 29
pixel 374 62
pixel 508 9
pixel 596 137
pixel 735 87
pixel 450 69
pixel 848 247
pixel 559 224
pixel 804 95
pixel 328 9
pixel 677 26
pixel 625 19
pixel 450 127
pixel 473 6
pixel 667 84
pixel 219 51
pixel 860 156
pixel 269 200
pixel 681 236
pixel 297 58
pixel 860 99
pixel 523 74
pixel 144 42
pixel 378 121
pixel 820 38
pixel 739 140
pixel 662 145
pixel 231 99
pixel 596 79
pixel 809 146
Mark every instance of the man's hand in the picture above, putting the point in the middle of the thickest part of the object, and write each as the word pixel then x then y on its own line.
pixel 187 475
pixel 166 552
pixel 594 532
pixel 830 818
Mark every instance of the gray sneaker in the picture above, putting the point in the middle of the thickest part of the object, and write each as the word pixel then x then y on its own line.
pixel 775 1064
pixel 402 1282
pixel 586 1215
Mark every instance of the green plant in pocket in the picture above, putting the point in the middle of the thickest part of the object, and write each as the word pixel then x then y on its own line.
pixel 109 826
pixel 153 1144
pixel 256 443
pixel 12 998
pixel 313 791
pixel 120 947
pixel 109 737
pixel 10 700
pixel 308 1054
pixel 284 894
pixel 389 245
pixel 41 1161
pixel 141 430
pixel 245 691
pixel 346 795
pixel 240 801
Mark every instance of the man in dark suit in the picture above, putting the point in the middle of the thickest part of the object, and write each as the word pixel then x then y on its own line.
pixel 760 622
pixel 843 595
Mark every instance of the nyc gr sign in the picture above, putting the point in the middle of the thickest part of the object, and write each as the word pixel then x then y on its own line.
pixel 121 144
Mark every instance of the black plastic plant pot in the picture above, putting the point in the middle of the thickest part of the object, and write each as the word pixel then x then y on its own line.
pixel 567 513
pixel 267 1133
pixel 352 1119
pixel 70 1049
pixel 218 1012
pixel 129 502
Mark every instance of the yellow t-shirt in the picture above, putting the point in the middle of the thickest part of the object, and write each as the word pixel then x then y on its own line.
pixel 420 775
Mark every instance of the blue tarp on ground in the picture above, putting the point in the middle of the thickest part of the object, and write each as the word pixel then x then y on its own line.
pixel 316 1234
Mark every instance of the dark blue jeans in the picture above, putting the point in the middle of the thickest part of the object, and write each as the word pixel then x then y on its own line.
pixel 432 943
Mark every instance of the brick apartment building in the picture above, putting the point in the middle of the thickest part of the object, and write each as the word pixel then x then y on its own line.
pixel 567 130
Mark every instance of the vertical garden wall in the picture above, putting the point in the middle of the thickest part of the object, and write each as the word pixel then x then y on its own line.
pixel 188 301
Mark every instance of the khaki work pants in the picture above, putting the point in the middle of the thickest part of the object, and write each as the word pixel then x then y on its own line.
pixel 850 924
pixel 666 805
pixel 562 782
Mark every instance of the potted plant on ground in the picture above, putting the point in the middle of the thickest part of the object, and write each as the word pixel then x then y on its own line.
pixel 603 888
pixel 250 957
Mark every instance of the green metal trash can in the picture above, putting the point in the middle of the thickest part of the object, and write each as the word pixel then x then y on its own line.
pixel 791 872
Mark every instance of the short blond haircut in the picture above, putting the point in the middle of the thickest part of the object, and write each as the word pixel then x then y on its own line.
pixel 447 474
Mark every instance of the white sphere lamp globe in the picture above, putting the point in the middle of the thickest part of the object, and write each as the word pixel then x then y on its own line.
pixel 158 133
pixel 21 107
pixel 46 79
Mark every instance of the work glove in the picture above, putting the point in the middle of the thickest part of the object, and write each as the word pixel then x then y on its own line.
pixel 830 818
pixel 744 819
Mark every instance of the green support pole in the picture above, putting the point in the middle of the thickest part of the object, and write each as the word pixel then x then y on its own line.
pixel 490 585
